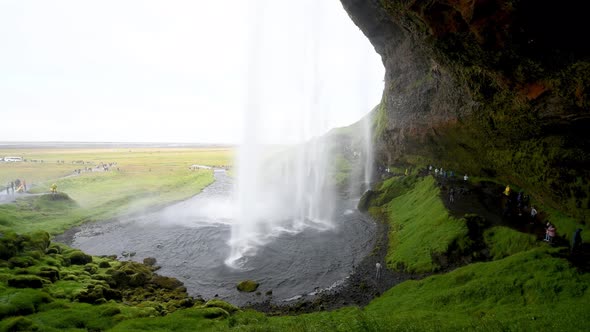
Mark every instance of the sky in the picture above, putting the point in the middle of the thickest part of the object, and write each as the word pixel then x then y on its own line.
pixel 181 71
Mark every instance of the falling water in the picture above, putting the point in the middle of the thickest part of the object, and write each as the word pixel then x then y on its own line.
pixel 287 190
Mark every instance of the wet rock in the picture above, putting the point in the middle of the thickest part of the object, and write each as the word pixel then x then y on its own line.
pixel 247 286
pixel 149 261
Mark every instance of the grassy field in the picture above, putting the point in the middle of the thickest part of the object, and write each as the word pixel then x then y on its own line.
pixel 138 179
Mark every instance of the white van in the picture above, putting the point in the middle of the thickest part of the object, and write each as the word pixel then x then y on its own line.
pixel 13 159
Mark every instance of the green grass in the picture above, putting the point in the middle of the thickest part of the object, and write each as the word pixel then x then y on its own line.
pixel 420 227
pixel 529 291
pixel 504 241
pixel 146 178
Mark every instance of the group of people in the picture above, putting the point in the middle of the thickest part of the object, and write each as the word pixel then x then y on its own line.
pixel 101 167
pixel 517 204
pixel 17 185
pixel 445 174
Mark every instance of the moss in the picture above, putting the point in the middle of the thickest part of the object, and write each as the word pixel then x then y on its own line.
pixel 221 304
pixel 104 265
pixel 21 301
pixel 216 312
pixel 19 324
pixel 247 286
pixel 79 258
pixel 110 311
pixel 49 273
pixel 166 282
pixel 420 228
pixel 22 261
pixel 39 240
pixel 503 241
pixel 25 281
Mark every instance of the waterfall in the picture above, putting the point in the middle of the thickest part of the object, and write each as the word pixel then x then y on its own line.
pixel 282 190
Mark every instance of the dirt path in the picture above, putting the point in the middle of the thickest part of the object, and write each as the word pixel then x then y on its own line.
pixel 486 199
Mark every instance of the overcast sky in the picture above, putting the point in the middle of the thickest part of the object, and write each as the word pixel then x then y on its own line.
pixel 177 71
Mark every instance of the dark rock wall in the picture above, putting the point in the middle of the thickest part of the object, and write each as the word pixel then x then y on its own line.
pixel 490 87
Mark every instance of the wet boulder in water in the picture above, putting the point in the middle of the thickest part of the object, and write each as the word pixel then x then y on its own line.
pixel 247 286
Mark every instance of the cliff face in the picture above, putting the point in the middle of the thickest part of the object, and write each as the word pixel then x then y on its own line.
pixel 490 87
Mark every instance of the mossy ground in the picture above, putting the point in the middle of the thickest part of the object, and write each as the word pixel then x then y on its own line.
pixel 420 227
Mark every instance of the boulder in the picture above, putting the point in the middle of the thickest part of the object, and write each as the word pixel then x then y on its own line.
pixel 79 258
pixel 25 281
pixel 149 261
pixel 166 282
pixel 247 286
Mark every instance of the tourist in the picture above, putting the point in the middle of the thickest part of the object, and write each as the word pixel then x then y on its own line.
pixel 378 275
pixel 465 178
pixel 451 195
pixel 507 190
pixel 576 241
pixel 53 189
pixel 550 232
pixel 436 172
pixel 533 214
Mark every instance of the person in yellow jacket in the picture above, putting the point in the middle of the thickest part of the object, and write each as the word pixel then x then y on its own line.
pixel 53 188
pixel 507 190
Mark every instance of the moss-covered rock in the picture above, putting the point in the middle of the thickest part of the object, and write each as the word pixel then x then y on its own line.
pixel 90 268
pixel 50 273
pixel 96 294
pixel 215 312
pixel 25 281
pixel 79 258
pixel 166 282
pixel 21 261
pixel 104 265
pixel 131 274
pixel 8 244
pixel 247 286
pixel 39 240
pixel 19 323
pixel 221 304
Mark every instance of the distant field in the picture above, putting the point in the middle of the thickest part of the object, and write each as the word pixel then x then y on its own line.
pixel 138 178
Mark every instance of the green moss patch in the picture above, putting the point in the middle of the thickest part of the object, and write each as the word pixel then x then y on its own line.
pixel 420 226
pixel 247 286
